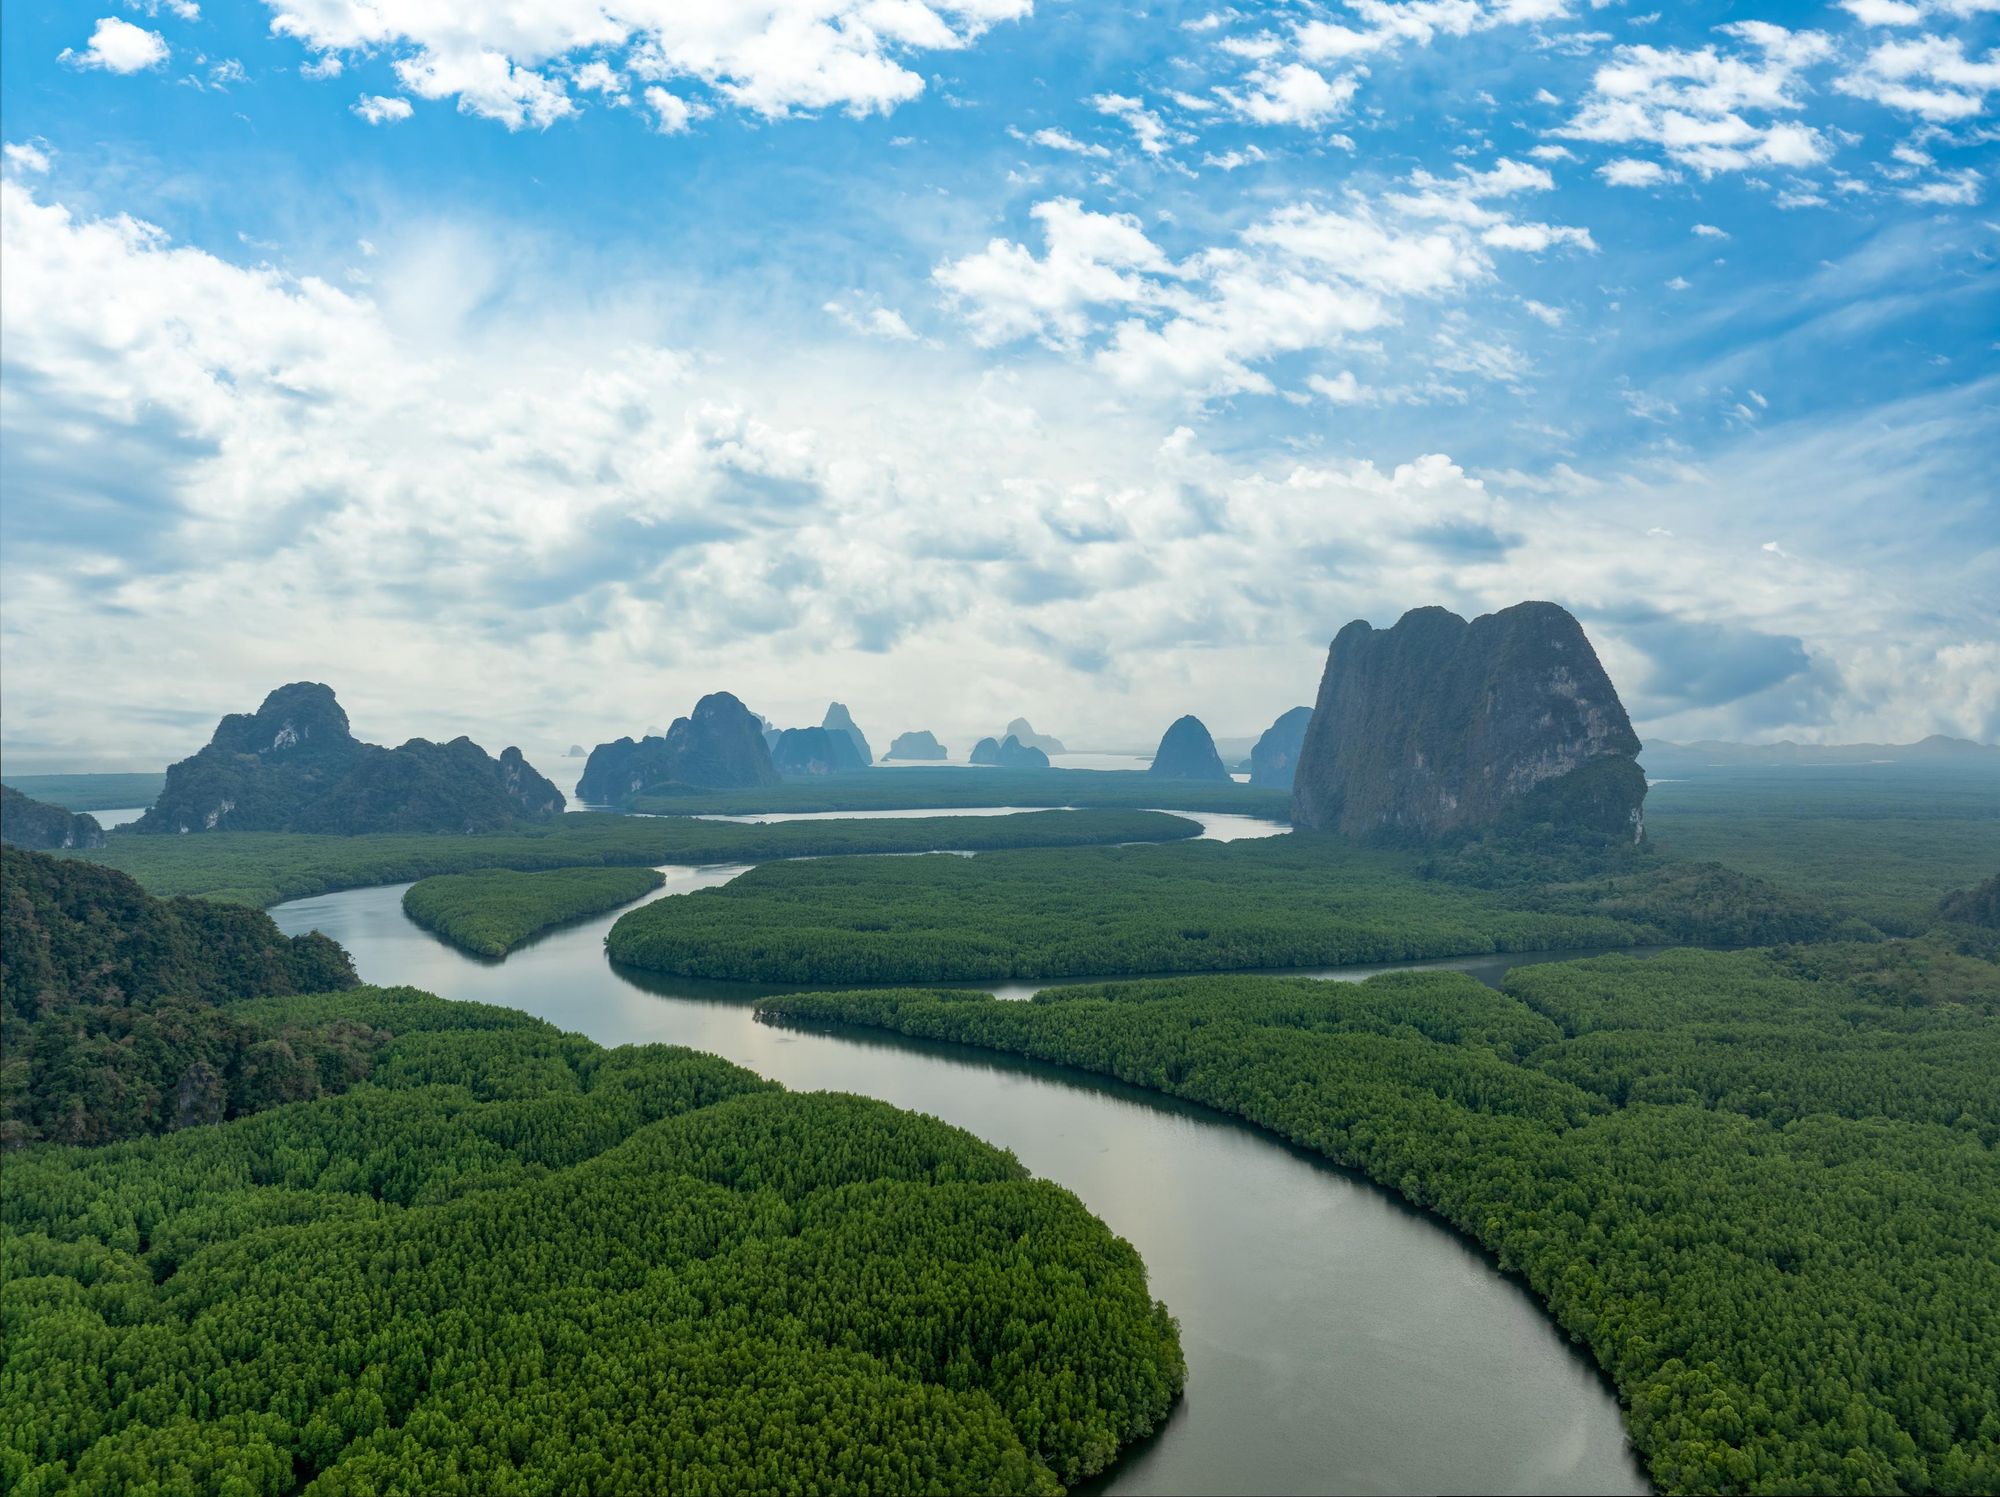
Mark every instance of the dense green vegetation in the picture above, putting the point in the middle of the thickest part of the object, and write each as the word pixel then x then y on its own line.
pixel 491 912
pixel 1293 901
pixel 91 792
pixel 111 1008
pixel 514 1262
pixel 1976 906
pixel 1881 842
pixel 263 868
pixel 27 822
pixel 1763 1186
pixel 944 788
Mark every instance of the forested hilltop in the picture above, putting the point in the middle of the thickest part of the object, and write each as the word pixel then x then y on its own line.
pixel 119 1012
pixel 514 1262
pixel 293 765
pixel 1763 1186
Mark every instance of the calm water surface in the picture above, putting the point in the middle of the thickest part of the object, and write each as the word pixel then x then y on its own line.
pixel 1336 1340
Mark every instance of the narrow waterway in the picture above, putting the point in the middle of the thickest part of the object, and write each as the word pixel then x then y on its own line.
pixel 1337 1340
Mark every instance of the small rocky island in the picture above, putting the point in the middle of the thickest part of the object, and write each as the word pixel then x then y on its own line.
pixel 1276 756
pixel 840 720
pixel 1024 732
pixel 1008 753
pixel 1187 752
pixel 918 745
pixel 815 751
pixel 27 822
pixel 293 765
pixel 718 746
pixel 1437 725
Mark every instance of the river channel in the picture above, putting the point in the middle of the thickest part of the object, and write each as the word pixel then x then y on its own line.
pixel 1337 1340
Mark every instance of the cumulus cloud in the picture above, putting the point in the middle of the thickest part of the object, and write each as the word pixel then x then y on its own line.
pixel 1928 76
pixel 380 109
pixel 1290 94
pixel 1707 109
pixel 771 58
pixel 1305 276
pixel 119 47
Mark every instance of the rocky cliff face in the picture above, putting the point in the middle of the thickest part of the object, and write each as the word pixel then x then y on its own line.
pixel 27 822
pixel 1437 725
pixel 1187 752
pixel 1008 753
pixel 814 751
pixel 919 745
pixel 840 720
pixel 293 765
pixel 718 746
pixel 1276 755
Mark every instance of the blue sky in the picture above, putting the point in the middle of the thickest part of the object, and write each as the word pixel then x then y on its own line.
pixel 528 374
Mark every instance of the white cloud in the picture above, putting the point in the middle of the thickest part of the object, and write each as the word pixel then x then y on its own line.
pixel 1056 139
pixel 1553 316
pixel 1147 128
pixel 380 109
pixel 320 68
pixel 1961 188
pixel 1695 104
pixel 672 114
pixel 1229 161
pixel 1630 171
pixel 1709 231
pixel 554 499
pixel 24 156
pixel 1291 94
pixel 874 321
pixel 772 58
pixel 1304 276
pixel 119 47
pixel 1929 76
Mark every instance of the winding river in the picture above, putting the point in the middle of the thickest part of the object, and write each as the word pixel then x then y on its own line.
pixel 1337 1341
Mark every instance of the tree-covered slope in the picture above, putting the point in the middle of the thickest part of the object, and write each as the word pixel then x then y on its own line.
pixel 293 765
pixel 1763 1187
pixel 517 1263
pixel 25 822
pixel 115 1007
pixel 492 911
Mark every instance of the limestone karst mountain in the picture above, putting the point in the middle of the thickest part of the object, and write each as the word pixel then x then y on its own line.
pixel 27 822
pixel 815 751
pixel 1276 755
pixel 1438 724
pixel 917 745
pixel 1008 753
pixel 718 746
pixel 1187 752
pixel 839 719
pixel 294 765
pixel 1023 731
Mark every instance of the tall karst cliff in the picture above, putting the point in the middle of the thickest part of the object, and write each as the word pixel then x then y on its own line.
pixel 293 765
pixel 1438 725
pixel 719 746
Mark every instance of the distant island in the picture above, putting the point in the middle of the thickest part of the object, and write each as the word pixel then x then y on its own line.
pixel 1009 753
pixel 1275 759
pixel 1936 749
pixel 840 720
pixel 816 751
pixel 1437 725
pixel 25 822
pixel 293 765
pixel 1021 730
pixel 718 746
pixel 1187 752
pixel 919 745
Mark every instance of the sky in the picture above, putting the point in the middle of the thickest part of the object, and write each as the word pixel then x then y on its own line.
pixel 527 371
